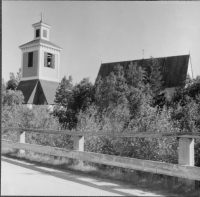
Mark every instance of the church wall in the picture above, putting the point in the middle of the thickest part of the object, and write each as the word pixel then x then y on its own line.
pixel 30 71
pixel 46 72
pixel 47 30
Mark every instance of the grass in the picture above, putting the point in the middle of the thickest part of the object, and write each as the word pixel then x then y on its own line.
pixel 141 179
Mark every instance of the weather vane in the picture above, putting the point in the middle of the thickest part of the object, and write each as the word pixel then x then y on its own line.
pixel 41 16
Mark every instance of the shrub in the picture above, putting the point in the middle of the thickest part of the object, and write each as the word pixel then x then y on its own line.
pixel 12 97
pixel 38 117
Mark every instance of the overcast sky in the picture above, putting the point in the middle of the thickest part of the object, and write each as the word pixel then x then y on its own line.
pixel 94 32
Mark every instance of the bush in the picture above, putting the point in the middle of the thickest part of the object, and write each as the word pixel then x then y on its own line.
pixel 38 117
pixel 149 120
pixel 118 103
pixel 12 97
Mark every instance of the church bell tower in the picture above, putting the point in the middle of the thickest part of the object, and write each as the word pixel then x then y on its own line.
pixel 40 67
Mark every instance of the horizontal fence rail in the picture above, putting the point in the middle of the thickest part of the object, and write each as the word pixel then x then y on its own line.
pixel 125 162
pixel 185 169
pixel 110 134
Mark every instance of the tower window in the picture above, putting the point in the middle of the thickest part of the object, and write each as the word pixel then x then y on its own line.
pixel 37 33
pixel 44 33
pixel 30 59
pixel 49 60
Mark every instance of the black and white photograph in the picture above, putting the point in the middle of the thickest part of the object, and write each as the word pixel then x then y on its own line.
pixel 100 98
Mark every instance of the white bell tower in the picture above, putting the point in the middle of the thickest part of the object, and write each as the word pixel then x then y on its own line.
pixel 40 65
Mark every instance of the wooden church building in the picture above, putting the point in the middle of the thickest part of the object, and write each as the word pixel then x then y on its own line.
pixel 174 70
pixel 40 67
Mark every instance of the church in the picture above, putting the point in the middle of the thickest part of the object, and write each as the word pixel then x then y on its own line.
pixel 174 70
pixel 40 67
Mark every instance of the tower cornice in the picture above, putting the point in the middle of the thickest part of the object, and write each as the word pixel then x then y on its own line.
pixel 41 24
pixel 40 42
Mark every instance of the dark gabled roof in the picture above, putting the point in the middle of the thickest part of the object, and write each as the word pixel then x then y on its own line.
pixel 38 91
pixel 40 41
pixel 27 88
pixel 49 89
pixel 174 68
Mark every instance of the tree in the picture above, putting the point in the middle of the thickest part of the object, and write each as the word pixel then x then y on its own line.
pixel 111 91
pixel 118 96
pixel 64 92
pixel 190 91
pixel 64 101
pixel 12 97
pixel 135 76
pixel 154 82
pixel 82 95
pixel 185 104
pixel 3 86
pixel 71 99
pixel 193 89
pixel 13 82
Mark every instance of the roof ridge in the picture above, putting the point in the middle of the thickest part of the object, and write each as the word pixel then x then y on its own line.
pixel 144 59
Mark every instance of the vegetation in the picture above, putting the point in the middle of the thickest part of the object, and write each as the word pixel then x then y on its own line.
pixel 13 82
pixel 129 100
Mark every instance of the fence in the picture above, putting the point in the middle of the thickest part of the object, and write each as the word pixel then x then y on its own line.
pixel 184 169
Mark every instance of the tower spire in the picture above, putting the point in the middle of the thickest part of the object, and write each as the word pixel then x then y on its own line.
pixel 42 16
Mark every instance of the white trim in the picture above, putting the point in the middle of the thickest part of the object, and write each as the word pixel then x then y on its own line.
pixel 38 71
pixel 44 78
pixel 29 46
pixel 58 67
pixel 50 46
pixel 29 78
pixel 40 44
pixel 22 60
pixel 41 24
pixel 49 79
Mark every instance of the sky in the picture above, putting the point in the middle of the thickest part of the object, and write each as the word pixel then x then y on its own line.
pixel 96 32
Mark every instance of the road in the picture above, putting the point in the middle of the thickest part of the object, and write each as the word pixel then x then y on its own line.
pixel 23 179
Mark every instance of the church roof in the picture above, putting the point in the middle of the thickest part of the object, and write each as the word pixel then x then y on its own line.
pixel 39 41
pixel 49 89
pixel 38 91
pixel 41 22
pixel 174 68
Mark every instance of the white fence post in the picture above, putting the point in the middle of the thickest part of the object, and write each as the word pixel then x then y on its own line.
pixel 186 151
pixel 21 139
pixel 186 156
pixel 78 143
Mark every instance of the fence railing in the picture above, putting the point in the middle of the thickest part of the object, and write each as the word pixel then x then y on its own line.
pixel 184 169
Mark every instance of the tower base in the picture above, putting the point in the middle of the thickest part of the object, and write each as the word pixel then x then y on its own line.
pixel 38 91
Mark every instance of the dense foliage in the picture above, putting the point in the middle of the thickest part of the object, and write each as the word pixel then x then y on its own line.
pixel 70 100
pixel 131 100
pixel 14 80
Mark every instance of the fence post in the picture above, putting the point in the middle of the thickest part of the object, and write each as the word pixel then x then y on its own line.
pixel 186 156
pixel 21 139
pixel 79 143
